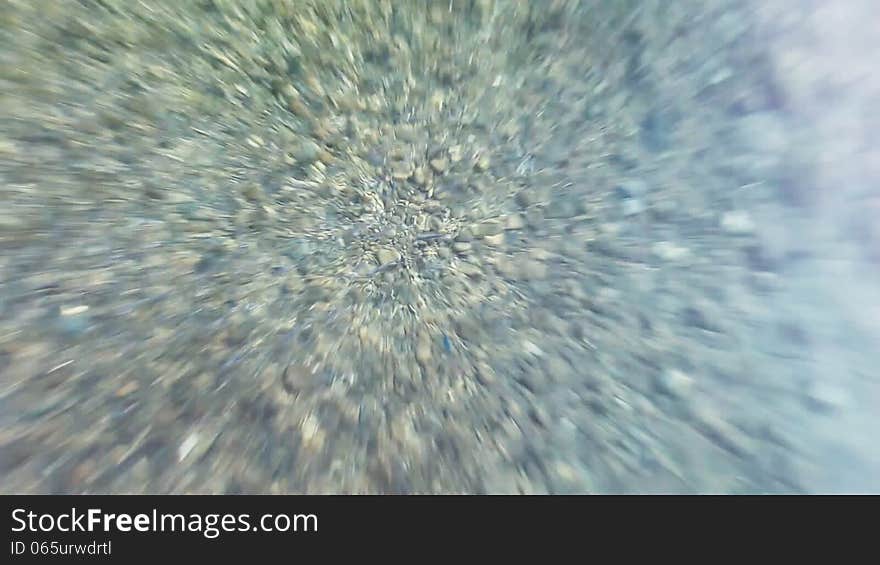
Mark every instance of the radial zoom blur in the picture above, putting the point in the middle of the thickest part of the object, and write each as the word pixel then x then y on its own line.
pixel 457 246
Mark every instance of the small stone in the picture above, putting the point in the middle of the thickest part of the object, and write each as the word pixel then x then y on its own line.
pixel 533 379
pixel 423 352
pixel 127 388
pixel 176 197
pixel 539 254
pixel 668 251
pixel 674 383
pixel 532 269
pixel 83 472
pixel 306 152
pixel 491 227
pixel 252 191
pixel 701 315
pixel 325 157
pixel 401 171
pixel 656 130
pixel 9 221
pixel 187 446
pixel 461 246
pixel 466 234
pixel 420 176
pixel 482 163
pixel 469 270
pixel 495 240
pixel 631 189
pixel 721 432
pixel 737 222
pixel 439 164
pixel 296 105
pixel 406 132
pixel 485 374
pixel 765 133
pixel 632 207
pixel 387 255
pixel 504 266
pixel 534 216
pixel 721 75
pixel 562 207
pixel 74 310
pixel 557 368
pixel 531 348
pixel 310 429
pixel 524 198
pixel 514 222
pixel 663 208
pixel 828 396
pixel 479 185
pixel 568 479
pixel 74 324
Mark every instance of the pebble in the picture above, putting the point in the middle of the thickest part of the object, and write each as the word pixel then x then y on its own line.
pixel 296 105
pixel 534 379
pixel 465 235
pixel 668 251
pixel 631 189
pixel 400 171
pixel 420 176
pixel 482 163
pixel 11 221
pixel 461 246
pixel 721 432
pixel 177 197
pixel 489 228
pixel 828 396
pixel 674 383
pixel 569 479
pixel 387 255
pixel 514 222
pixel 505 267
pixel 485 374
pixel 306 152
pixel 439 164
pixel 187 446
pixel 557 368
pixel 534 216
pixel 531 348
pixel 562 207
pixel 127 388
pixel 525 198
pixel 74 310
pixel 296 377
pixel 470 270
pixel 252 191
pixel 664 208
pixel 702 315
pixel 632 207
pixel 423 352
pixel 738 222
pixel 532 269
pixel 74 324
pixel 495 240
pixel 310 429
pixel 765 132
